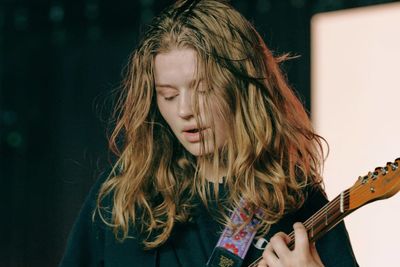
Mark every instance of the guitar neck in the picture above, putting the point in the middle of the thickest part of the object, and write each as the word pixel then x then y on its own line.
pixel 323 220
pixel 382 183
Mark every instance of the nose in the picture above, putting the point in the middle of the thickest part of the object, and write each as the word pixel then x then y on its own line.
pixel 185 110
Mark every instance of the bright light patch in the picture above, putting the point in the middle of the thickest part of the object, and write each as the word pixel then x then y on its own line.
pixel 356 107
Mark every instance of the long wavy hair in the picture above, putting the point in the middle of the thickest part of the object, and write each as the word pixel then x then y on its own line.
pixel 271 154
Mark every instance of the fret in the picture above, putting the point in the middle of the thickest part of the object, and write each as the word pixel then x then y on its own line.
pixel 326 215
pixel 326 218
pixel 323 220
pixel 312 227
pixel 341 202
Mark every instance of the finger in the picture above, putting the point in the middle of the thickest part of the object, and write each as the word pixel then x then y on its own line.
pixel 262 263
pixel 301 242
pixel 315 255
pixel 279 244
pixel 269 256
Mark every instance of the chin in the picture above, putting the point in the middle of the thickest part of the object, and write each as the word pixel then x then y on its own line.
pixel 196 149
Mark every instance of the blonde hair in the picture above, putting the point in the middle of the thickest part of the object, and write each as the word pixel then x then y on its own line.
pixel 272 152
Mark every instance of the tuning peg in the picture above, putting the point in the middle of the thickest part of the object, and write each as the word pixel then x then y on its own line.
pixel 385 170
pixel 364 179
pixel 394 166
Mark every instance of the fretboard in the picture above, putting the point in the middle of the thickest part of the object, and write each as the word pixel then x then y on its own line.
pixel 323 220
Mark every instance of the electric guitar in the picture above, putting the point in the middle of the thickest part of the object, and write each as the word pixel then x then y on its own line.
pixel 382 183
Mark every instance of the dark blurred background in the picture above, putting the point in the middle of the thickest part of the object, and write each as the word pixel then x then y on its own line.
pixel 60 61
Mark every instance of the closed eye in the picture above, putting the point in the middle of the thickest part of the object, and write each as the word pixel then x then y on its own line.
pixel 169 98
pixel 168 95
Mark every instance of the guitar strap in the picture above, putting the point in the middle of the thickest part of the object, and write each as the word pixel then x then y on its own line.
pixel 233 246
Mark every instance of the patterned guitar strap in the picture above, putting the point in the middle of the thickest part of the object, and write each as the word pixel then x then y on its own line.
pixel 232 247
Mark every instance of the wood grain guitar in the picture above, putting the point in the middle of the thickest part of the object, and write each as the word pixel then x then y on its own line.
pixel 382 183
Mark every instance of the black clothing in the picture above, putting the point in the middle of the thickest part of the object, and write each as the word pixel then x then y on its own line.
pixel 92 243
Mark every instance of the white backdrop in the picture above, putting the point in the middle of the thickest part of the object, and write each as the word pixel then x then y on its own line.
pixel 356 107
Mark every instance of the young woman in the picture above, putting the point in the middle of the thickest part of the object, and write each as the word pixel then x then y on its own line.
pixel 205 123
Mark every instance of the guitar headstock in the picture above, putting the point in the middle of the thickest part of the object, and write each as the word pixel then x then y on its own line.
pixel 382 183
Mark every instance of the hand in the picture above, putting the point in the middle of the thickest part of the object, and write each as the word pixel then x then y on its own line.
pixel 304 254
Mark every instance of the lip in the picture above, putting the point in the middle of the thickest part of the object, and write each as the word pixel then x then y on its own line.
pixel 192 137
pixel 189 127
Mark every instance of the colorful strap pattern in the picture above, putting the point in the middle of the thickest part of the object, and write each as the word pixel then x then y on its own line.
pixel 239 243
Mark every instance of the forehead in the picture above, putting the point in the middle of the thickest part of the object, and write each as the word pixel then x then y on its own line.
pixel 175 65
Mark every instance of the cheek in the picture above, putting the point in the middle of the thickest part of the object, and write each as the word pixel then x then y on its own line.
pixel 167 114
pixel 222 133
pixel 162 109
pixel 221 125
pixel 159 104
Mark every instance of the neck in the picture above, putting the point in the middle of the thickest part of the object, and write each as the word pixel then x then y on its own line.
pixel 214 176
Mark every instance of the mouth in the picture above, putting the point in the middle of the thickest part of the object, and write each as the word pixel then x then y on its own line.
pixel 193 135
pixel 196 130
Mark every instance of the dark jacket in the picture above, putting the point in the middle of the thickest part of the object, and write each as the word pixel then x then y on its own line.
pixel 92 243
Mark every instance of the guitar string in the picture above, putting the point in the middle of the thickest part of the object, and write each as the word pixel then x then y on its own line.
pixel 328 206
pixel 334 202
pixel 325 211
pixel 321 212
pixel 332 205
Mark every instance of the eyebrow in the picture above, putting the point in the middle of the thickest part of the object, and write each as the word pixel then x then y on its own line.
pixel 164 85
pixel 191 84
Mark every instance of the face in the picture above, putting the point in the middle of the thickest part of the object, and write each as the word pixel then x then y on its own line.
pixel 175 77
